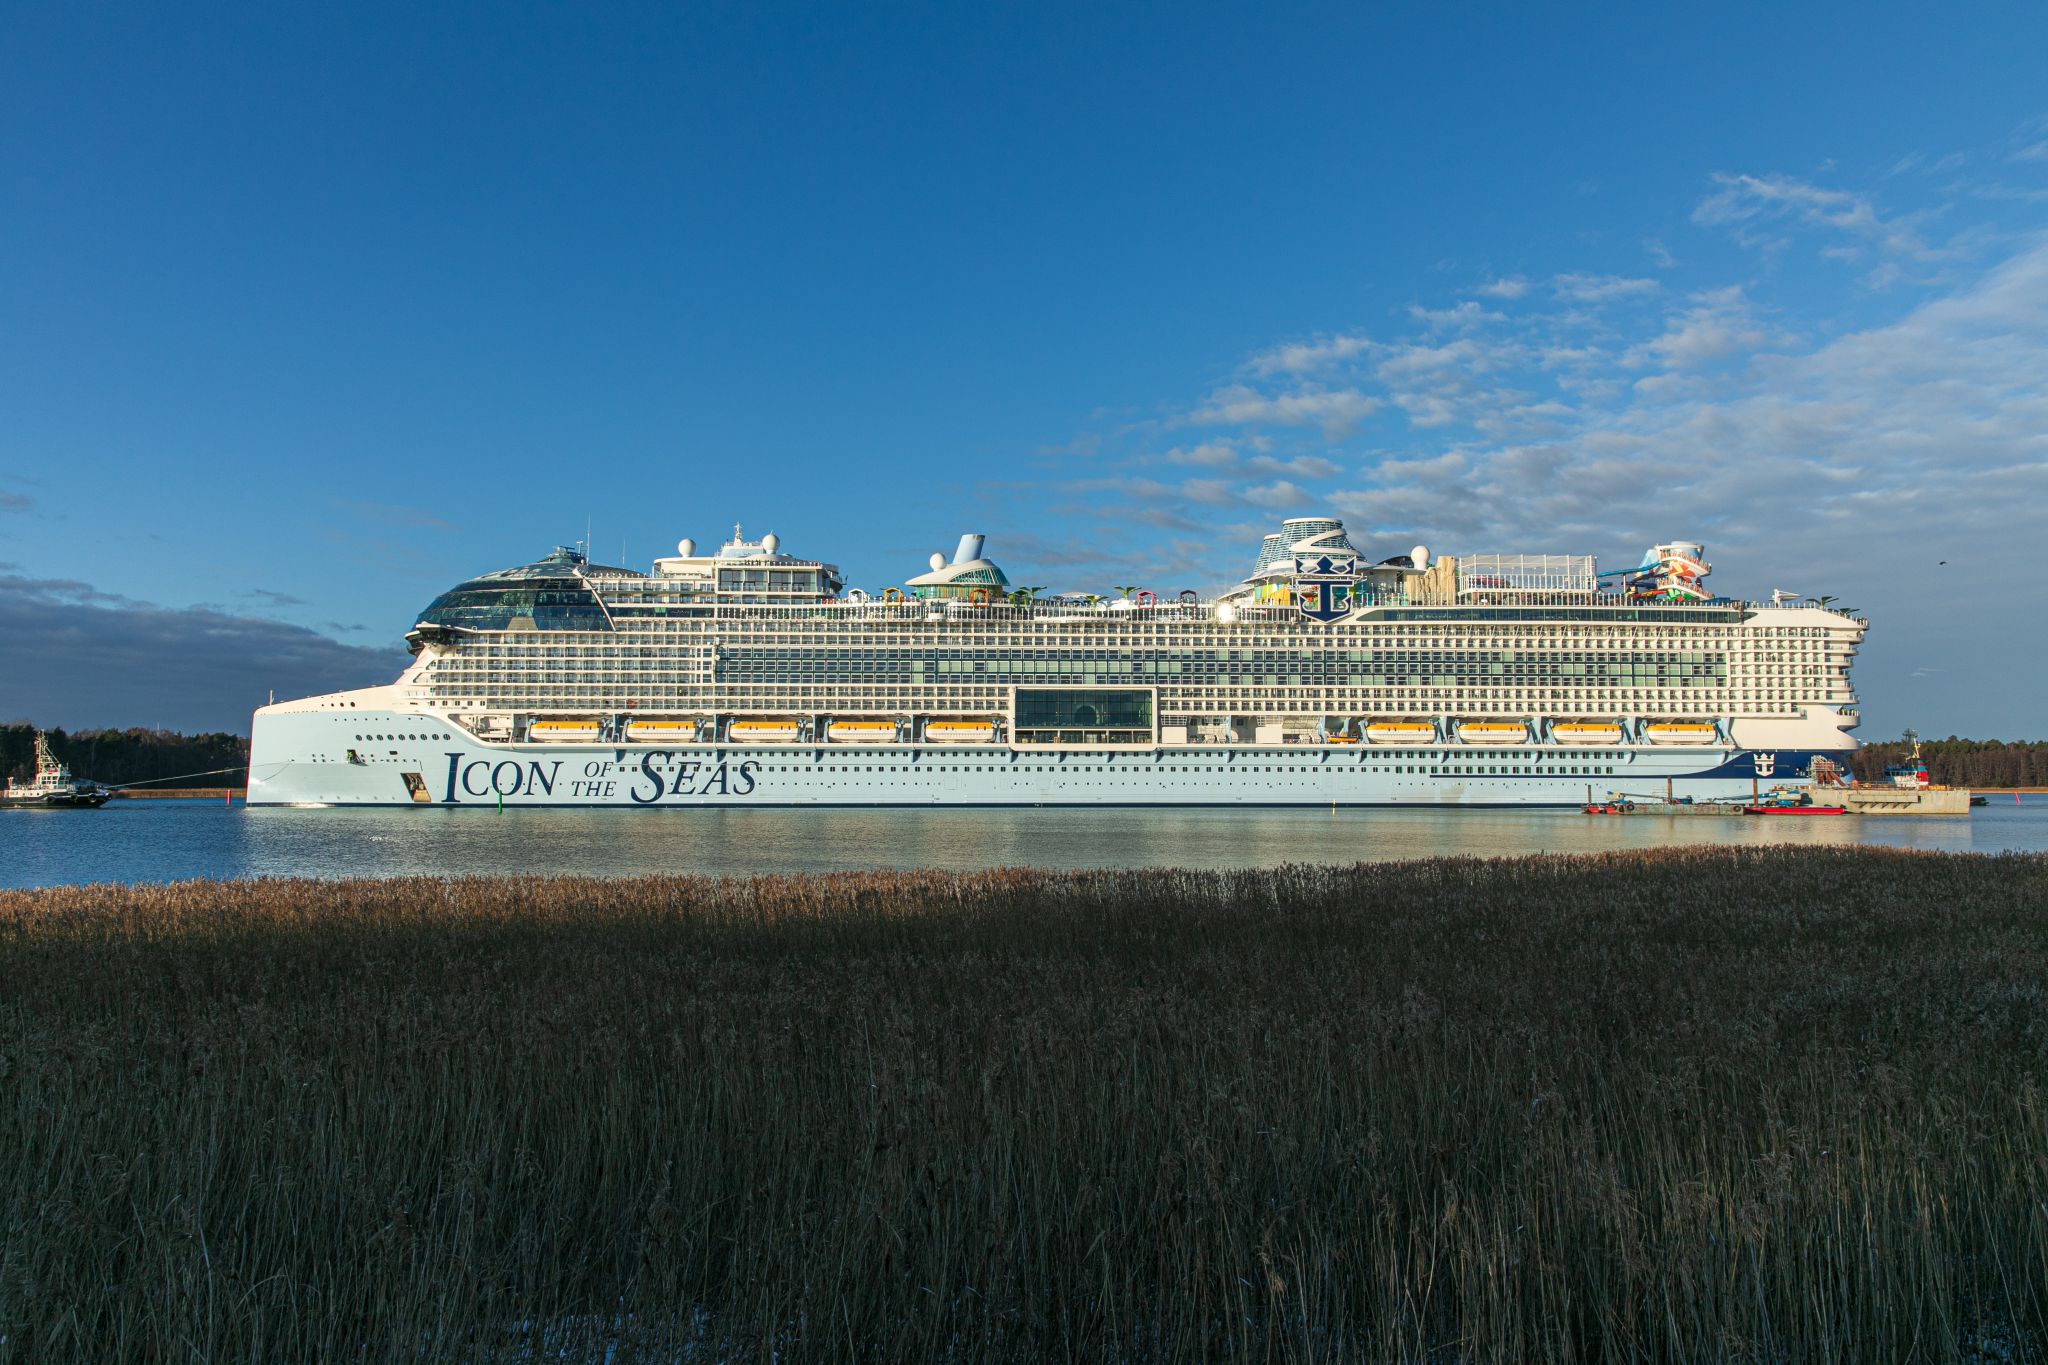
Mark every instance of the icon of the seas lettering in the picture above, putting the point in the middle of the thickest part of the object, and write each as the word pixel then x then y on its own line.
pixel 489 779
pixel 663 773
pixel 656 776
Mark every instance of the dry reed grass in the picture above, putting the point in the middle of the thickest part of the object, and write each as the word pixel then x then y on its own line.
pixel 1731 1105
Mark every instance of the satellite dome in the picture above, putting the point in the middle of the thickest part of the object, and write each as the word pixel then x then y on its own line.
pixel 771 542
pixel 1226 613
pixel 1419 556
pixel 938 561
pixel 686 547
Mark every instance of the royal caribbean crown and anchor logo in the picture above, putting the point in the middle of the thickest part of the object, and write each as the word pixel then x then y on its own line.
pixel 1322 585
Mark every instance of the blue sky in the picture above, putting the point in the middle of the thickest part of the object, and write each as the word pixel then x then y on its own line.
pixel 305 314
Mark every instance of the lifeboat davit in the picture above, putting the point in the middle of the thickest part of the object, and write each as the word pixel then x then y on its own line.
pixel 563 731
pixel 861 731
pixel 1400 732
pixel 1585 732
pixel 662 731
pixel 1493 732
pixel 960 731
pixel 769 731
pixel 1680 732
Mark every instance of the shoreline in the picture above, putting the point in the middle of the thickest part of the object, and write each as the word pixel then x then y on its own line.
pixel 181 794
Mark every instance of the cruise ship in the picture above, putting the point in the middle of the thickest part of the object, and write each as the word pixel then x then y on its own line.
pixel 752 676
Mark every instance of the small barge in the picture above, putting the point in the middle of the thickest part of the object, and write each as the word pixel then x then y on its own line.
pixel 1616 804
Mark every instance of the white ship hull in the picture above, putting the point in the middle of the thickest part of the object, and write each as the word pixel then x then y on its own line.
pixel 301 759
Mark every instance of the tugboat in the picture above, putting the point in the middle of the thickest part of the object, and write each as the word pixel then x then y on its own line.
pixel 1906 789
pixel 54 785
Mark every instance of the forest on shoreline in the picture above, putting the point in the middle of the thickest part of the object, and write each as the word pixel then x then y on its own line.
pixel 121 757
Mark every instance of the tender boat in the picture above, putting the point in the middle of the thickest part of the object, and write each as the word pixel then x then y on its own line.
pixel 1493 732
pixel 1679 732
pixel 1586 732
pixel 1401 732
pixel 861 731
pixel 960 732
pixel 662 731
pixel 564 731
pixel 769 731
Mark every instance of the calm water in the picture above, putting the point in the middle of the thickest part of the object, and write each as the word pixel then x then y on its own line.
pixel 172 840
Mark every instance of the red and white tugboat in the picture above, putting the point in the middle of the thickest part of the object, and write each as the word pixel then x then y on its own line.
pixel 54 785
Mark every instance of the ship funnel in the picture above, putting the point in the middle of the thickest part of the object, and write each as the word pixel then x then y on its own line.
pixel 970 548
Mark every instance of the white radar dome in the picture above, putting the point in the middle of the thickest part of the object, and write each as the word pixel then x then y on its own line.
pixel 938 561
pixel 1226 613
pixel 686 547
pixel 1420 556
pixel 771 542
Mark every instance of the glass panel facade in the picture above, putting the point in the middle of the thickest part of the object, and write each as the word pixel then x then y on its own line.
pixel 480 605
pixel 1084 715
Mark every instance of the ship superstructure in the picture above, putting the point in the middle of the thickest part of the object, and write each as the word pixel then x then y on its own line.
pixel 752 675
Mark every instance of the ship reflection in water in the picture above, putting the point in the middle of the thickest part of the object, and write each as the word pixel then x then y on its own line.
pixel 173 840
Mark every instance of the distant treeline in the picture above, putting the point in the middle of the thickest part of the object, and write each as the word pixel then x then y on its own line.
pixel 117 757
pixel 1962 762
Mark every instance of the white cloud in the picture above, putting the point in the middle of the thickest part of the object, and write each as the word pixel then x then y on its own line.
pixel 1279 496
pixel 1457 318
pixel 1512 287
pixel 1743 197
pixel 1302 357
pixel 1337 411
pixel 1580 288
pixel 1207 455
pixel 1462 356
pixel 1744 201
pixel 2029 141
pixel 1714 325
pixel 1214 492
pixel 1300 467
pixel 1929 433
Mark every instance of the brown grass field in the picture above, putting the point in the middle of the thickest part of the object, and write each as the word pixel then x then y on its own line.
pixel 1758 1105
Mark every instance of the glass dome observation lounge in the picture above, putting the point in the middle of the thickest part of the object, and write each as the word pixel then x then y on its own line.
pixel 548 594
pixel 969 576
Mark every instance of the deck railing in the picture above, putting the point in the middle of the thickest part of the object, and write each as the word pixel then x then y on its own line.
pixel 1117 611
